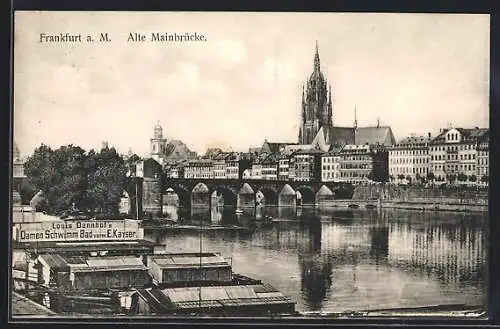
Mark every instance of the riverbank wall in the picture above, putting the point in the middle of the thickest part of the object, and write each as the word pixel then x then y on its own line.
pixel 409 193
pixel 415 198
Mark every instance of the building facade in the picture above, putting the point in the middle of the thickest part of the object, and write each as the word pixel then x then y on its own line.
pixel 330 167
pixel 219 169
pixel 305 166
pixel 454 153
pixel 409 159
pixel 363 163
pixel 283 167
pixel 219 165
pixel 269 169
pixel 203 169
pixel 355 163
pixel 232 166
pixel 483 159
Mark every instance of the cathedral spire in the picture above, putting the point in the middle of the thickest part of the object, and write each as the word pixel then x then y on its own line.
pixel 329 118
pixel 303 106
pixel 316 58
pixel 355 118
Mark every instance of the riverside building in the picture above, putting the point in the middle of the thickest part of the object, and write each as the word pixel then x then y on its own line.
pixel 455 151
pixel 409 159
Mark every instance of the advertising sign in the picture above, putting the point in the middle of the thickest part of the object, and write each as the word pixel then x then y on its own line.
pixel 84 230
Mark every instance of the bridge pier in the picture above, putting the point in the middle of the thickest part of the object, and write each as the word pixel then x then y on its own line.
pixel 246 197
pixel 152 197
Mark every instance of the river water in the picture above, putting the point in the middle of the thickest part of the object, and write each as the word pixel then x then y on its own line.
pixel 347 260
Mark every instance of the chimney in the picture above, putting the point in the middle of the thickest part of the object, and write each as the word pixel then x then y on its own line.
pixel 429 134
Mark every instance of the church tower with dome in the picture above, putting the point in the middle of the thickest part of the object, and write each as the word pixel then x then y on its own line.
pixel 158 144
pixel 316 104
pixel 164 151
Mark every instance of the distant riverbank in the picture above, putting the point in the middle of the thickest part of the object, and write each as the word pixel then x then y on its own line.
pixel 432 205
pixel 422 198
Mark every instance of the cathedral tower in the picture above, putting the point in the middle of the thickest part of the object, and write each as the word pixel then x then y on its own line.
pixel 316 104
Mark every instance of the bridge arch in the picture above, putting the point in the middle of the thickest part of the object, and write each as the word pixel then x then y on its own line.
pixel 200 195
pixel 270 195
pixel 308 196
pixel 182 193
pixel 229 195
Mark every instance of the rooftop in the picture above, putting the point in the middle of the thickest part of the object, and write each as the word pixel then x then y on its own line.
pixel 309 151
pixel 375 135
pixel 92 264
pixel 24 306
pixel 200 163
pixel 468 134
pixel 212 297
pixel 414 140
pixel 189 260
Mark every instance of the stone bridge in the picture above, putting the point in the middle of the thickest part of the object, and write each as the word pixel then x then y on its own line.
pixel 243 192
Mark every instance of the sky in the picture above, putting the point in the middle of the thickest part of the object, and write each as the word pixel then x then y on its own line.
pixel 414 72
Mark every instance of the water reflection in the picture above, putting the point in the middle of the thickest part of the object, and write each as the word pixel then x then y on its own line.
pixel 351 259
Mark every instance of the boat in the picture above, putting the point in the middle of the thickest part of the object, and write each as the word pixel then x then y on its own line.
pixel 238 211
pixel 265 219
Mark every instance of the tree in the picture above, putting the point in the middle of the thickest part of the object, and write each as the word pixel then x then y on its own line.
pixel 39 168
pixel 59 174
pixel 418 178
pixel 401 176
pixel 472 178
pixel 485 179
pixel 106 180
pixel 430 176
pixel 462 177
pixel 451 178
pixel 133 159
pixel 27 191
pixel 71 177
pixel 408 178
pixel 370 176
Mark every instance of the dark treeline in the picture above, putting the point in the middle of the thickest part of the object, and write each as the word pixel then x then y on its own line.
pixel 73 179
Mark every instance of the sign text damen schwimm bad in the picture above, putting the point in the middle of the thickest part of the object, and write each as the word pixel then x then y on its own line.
pixel 88 230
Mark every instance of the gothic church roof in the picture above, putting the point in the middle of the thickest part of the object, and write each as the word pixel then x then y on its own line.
pixel 374 135
pixel 340 136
